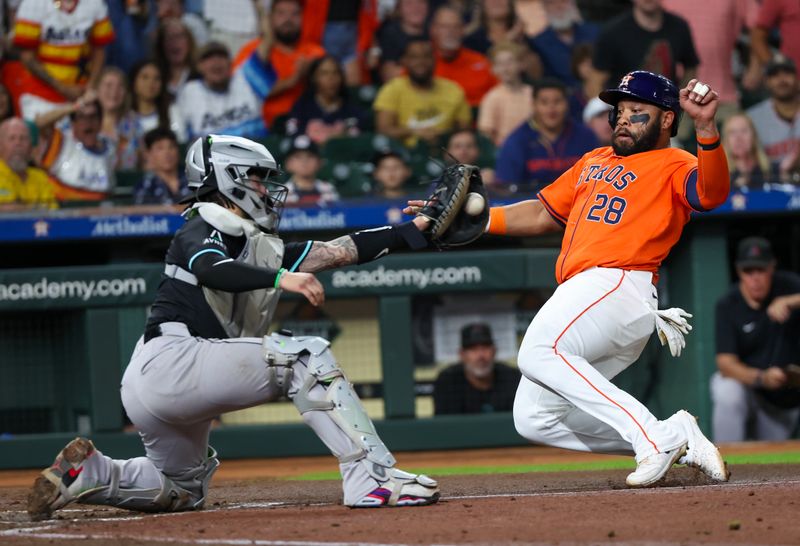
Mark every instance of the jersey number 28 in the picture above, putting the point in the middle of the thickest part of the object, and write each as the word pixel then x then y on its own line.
pixel 607 210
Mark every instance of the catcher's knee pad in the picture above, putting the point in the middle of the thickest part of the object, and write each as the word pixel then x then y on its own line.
pixel 177 493
pixel 346 411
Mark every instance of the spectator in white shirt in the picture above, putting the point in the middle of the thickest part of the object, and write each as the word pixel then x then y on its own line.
pixel 223 101
pixel 80 159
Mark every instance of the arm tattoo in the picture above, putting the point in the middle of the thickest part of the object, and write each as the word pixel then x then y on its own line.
pixel 330 254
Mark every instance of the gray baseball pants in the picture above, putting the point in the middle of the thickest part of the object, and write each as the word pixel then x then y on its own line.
pixel 176 384
pixel 736 406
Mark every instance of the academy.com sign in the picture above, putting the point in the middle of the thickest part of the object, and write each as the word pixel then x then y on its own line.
pixel 83 290
pixel 417 277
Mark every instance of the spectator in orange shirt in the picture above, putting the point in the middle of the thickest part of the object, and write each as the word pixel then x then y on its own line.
pixel 289 56
pixel 471 70
pixel 345 29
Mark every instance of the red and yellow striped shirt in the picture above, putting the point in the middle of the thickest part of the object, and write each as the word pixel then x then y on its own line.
pixel 62 40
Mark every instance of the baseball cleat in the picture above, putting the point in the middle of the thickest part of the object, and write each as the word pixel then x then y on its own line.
pixel 653 468
pixel 62 483
pixel 700 453
pixel 402 489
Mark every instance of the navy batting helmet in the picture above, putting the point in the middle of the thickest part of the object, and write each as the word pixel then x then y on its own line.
pixel 648 87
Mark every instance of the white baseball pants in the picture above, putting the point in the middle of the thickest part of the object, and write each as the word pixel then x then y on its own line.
pixel 594 326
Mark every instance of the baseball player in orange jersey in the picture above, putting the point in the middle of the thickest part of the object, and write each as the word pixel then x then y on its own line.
pixel 622 208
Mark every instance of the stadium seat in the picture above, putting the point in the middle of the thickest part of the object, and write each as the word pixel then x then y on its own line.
pixel 364 95
pixel 361 148
pixel 425 168
pixel 278 126
pixel 278 145
pixel 352 179
pixel 126 182
pixel 488 152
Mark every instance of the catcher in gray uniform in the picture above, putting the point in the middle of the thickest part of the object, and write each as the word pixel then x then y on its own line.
pixel 204 351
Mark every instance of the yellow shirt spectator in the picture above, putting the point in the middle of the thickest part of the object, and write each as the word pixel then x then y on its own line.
pixel 442 107
pixel 36 189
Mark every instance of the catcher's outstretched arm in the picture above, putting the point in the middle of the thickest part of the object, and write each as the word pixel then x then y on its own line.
pixel 365 246
pixel 522 219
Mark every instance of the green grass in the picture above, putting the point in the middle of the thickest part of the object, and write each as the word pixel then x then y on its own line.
pixel 789 457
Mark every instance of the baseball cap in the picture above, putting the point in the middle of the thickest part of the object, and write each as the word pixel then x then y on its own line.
pixel 382 154
pixel 476 334
pixel 212 48
pixel 593 108
pixel 754 252
pixel 780 62
pixel 302 143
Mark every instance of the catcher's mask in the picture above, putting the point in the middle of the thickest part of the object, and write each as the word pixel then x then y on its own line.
pixel 242 171
pixel 648 87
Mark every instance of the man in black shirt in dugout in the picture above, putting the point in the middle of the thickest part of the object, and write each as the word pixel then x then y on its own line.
pixel 757 337
pixel 476 384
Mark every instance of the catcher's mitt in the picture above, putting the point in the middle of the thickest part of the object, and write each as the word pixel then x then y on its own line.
pixel 450 223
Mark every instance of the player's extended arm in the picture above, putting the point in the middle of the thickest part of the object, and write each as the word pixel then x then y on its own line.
pixel 365 246
pixel 712 184
pixel 521 219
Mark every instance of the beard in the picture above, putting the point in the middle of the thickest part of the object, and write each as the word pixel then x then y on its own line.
pixel 220 86
pixel 422 80
pixel 644 143
pixel 17 163
pixel 288 36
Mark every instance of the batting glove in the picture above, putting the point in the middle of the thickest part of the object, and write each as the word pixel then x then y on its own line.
pixel 671 325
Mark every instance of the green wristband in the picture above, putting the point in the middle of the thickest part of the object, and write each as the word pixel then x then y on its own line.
pixel 281 271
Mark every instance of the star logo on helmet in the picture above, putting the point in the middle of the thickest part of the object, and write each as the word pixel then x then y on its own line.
pixel 625 80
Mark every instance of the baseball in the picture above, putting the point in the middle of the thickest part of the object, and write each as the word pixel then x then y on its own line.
pixel 701 89
pixel 475 204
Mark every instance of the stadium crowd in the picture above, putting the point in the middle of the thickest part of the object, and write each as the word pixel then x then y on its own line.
pixel 368 98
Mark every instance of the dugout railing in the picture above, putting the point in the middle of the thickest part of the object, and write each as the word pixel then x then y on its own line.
pixel 63 347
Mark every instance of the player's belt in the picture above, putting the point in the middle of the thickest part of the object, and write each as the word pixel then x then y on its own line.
pixel 177 272
pixel 166 329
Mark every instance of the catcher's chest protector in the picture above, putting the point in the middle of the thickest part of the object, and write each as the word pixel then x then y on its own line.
pixel 247 314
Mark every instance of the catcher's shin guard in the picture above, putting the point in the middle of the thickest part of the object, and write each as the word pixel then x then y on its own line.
pixel 340 400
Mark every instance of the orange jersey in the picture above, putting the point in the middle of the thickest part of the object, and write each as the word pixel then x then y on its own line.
pixel 284 62
pixel 469 69
pixel 628 212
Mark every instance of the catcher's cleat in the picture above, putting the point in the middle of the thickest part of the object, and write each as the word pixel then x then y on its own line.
pixel 701 453
pixel 402 489
pixel 651 469
pixel 63 482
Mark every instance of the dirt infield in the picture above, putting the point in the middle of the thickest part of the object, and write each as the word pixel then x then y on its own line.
pixel 251 502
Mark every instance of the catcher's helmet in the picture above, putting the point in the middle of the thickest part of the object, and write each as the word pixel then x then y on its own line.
pixel 648 87
pixel 241 170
